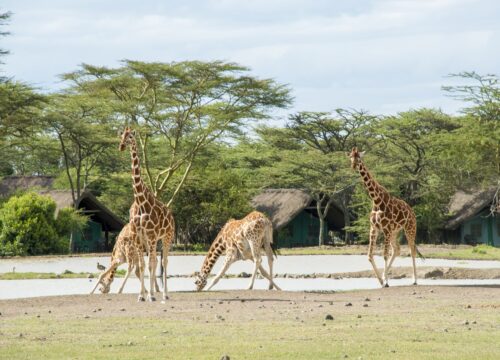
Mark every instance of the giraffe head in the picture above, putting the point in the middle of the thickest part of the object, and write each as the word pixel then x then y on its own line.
pixel 106 284
pixel 127 137
pixel 201 281
pixel 355 157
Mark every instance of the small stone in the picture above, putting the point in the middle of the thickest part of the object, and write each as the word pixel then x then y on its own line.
pixel 365 305
pixel 474 322
pixel 346 356
pixel 367 299
pixel 242 300
pixel 99 309
pixel 445 330
pixel 50 312
pixel 466 322
pixel 324 324
pixel 86 317
pixel 94 310
pixel 164 310
pixel 468 306
pixel 20 335
pixel 25 313
pixel 122 309
pixel 90 276
pixel 38 316
pixel 348 304
pixel 431 291
pixel 393 351
pixel 359 316
pixel 328 317
pixel 469 329
pixel 130 343
pixel 225 357
pixel 164 332
pixel 414 293
pixel 221 302
pixel 320 306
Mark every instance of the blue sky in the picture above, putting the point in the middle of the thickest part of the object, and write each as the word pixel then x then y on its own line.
pixel 384 56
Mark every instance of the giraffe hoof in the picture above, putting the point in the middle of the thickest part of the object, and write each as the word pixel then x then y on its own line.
pixel 140 298
pixel 165 297
pixel 386 285
pixel 151 298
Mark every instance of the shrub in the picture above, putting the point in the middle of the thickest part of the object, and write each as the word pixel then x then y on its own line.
pixel 28 226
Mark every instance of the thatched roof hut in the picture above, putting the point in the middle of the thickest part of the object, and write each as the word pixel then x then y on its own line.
pixel 283 205
pixel 465 205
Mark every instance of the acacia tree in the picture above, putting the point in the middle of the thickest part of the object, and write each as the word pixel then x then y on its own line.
pixel 83 131
pixel 181 107
pixel 311 155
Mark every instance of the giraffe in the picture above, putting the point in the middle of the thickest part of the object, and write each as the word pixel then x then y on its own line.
pixel 243 239
pixel 150 220
pixel 389 216
pixel 126 250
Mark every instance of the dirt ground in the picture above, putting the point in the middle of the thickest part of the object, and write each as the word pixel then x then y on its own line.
pixel 246 305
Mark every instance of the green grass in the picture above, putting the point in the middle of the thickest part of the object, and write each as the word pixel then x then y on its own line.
pixel 40 275
pixel 479 252
pixel 416 335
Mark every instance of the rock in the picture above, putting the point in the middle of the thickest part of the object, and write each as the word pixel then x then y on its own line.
pixel 225 357
pixel 359 316
pixel 431 291
pixel 435 273
pixel 348 304
pixel 244 275
pixel 122 309
pixel 367 299
pixel 20 335
pixel 86 317
pixel 130 343
pixel 365 305
pixel 328 317
pixel 468 306
pixel 445 330
pixel 474 322
pixel 90 276
pixel 466 322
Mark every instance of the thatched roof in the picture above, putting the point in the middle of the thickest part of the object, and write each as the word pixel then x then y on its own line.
pixel 283 205
pixel 464 205
pixel 11 184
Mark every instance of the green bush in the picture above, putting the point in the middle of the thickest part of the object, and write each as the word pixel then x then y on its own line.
pixel 28 226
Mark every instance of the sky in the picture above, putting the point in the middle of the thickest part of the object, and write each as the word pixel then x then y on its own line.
pixel 383 56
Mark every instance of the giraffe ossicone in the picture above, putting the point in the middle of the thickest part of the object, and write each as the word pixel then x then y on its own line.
pixel 244 239
pixel 389 216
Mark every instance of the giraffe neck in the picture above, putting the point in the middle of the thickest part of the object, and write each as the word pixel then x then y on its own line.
pixel 215 251
pixel 141 192
pixel 376 191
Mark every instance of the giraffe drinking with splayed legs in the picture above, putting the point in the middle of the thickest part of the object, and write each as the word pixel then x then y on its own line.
pixel 389 216
pixel 243 239
pixel 150 220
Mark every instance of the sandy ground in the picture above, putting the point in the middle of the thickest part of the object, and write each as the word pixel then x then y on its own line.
pixel 244 306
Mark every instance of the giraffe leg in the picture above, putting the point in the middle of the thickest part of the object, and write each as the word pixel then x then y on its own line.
pixel 395 251
pixel 373 240
pixel 387 241
pixel 270 260
pixel 227 261
pixel 164 275
pixel 410 236
pixel 257 258
pixel 129 270
pixel 269 277
pixel 153 261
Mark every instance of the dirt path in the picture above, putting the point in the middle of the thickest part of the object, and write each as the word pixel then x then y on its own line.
pixel 242 306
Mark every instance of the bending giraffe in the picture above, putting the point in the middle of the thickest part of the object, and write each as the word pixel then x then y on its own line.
pixel 243 239
pixel 126 250
pixel 389 216
pixel 150 220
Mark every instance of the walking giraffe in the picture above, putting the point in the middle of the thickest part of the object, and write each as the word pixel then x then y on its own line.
pixel 150 220
pixel 243 239
pixel 389 215
pixel 126 250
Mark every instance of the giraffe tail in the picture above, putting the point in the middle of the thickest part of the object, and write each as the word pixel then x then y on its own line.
pixel 419 253
pixel 269 239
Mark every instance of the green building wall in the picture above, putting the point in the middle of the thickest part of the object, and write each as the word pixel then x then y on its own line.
pixel 481 229
pixel 302 231
pixel 88 240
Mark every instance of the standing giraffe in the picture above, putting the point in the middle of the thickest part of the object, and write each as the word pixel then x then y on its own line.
pixel 389 216
pixel 126 250
pixel 150 220
pixel 243 239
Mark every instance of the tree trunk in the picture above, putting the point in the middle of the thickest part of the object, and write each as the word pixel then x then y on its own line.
pixel 321 231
